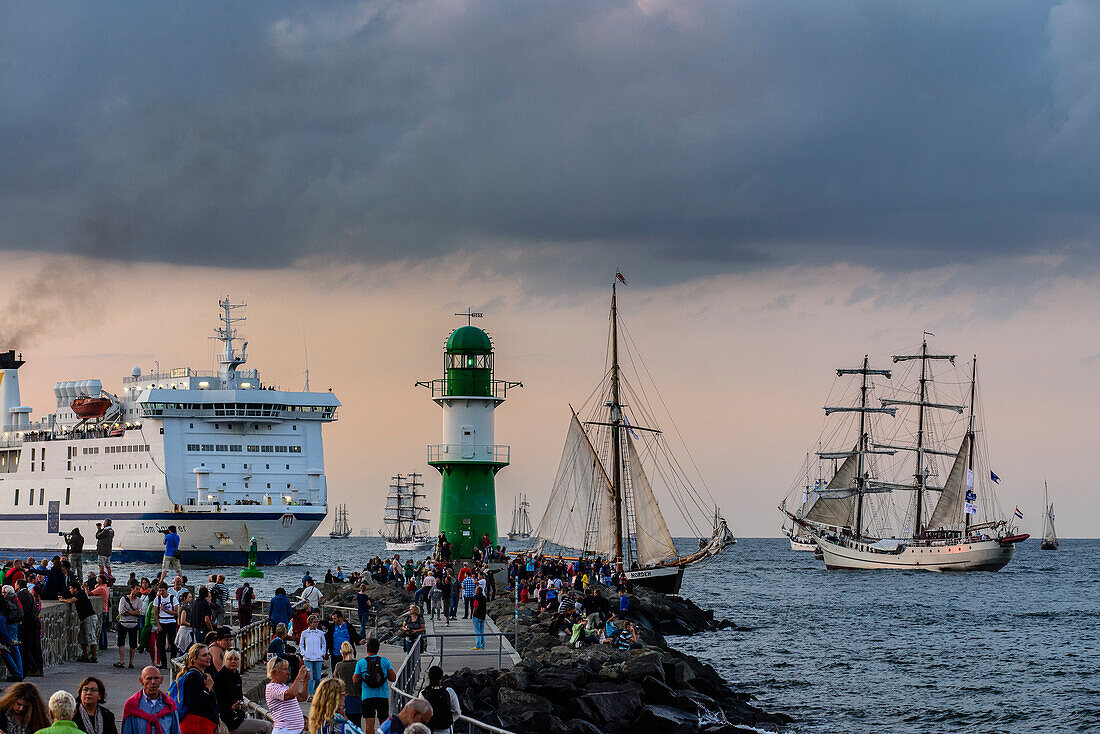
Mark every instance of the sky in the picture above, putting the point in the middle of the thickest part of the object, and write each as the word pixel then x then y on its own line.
pixel 787 186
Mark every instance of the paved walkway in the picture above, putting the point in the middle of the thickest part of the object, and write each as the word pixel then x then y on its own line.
pixel 453 651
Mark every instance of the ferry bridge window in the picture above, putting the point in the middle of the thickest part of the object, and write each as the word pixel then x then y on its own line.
pixel 42 496
pixel 17 494
pixel 68 491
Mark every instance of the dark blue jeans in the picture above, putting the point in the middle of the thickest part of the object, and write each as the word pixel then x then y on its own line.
pixel 9 633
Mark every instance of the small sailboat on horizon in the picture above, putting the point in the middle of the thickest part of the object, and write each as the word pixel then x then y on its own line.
pixel 1050 538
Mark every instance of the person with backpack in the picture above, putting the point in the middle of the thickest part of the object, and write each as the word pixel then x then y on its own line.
pixel 374 674
pixel 129 622
pixel 193 692
pixel 444 701
pixel 167 612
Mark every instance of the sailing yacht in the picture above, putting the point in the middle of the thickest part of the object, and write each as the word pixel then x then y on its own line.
pixel 602 503
pixel 521 523
pixel 938 526
pixel 1050 538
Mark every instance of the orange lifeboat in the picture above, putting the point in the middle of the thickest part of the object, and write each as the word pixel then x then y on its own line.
pixel 86 407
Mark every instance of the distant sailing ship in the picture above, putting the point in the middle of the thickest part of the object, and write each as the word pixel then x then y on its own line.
pixel 800 538
pixel 602 503
pixel 406 524
pixel 521 523
pixel 341 528
pixel 939 527
pixel 1050 538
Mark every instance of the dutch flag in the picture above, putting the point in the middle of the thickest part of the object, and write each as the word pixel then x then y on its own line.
pixel 1018 513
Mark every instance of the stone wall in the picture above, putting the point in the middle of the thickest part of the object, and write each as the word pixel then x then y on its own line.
pixel 59 633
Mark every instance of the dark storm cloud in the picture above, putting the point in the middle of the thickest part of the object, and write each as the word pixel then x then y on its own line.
pixel 682 137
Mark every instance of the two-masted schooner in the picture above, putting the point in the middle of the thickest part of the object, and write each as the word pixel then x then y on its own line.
pixel 602 503
pixel 521 523
pixel 406 515
pixel 894 476
pixel 1050 538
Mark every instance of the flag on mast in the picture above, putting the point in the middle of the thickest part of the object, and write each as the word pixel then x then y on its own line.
pixel 1018 513
pixel 619 277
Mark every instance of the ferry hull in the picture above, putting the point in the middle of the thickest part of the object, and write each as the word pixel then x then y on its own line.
pixel 206 538
pixel 985 555
pixel 666 580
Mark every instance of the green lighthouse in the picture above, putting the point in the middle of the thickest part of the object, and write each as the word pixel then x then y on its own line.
pixel 469 459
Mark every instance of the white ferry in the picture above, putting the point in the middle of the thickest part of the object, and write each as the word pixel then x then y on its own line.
pixel 220 455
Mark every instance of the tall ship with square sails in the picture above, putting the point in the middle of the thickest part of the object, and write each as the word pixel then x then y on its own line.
pixel 220 455
pixel 914 490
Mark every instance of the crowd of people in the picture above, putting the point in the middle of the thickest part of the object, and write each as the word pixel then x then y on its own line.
pixel 308 657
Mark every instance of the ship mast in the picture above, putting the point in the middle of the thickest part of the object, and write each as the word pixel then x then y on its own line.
pixel 861 479
pixel 863 446
pixel 616 426
pixel 922 480
pixel 922 403
pixel 970 458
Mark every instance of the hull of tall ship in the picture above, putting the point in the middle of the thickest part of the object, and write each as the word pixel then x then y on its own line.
pixel 207 539
pixel 340 536
pixel 1049 545
pixel 662 579
pixel 983 555
pixel 519 536
pixel 409 546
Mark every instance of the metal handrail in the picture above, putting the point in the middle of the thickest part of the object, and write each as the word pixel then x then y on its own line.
pixel 491 453
pixel 410 672
pixel 501 637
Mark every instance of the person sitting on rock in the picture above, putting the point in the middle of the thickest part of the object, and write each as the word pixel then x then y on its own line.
pixel 627 637
pixel 581 636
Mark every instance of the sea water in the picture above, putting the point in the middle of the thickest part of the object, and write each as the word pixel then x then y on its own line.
pixel 869 651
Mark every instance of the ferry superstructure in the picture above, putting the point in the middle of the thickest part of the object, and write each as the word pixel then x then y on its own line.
pixel 218 454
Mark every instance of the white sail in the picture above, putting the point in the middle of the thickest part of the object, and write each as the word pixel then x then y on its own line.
pixel 652 538
pixel 837 510
pixel 949 510
pixel 1049 536
pixel 579 512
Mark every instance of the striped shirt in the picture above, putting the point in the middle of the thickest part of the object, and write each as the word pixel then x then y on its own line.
pixel 286 713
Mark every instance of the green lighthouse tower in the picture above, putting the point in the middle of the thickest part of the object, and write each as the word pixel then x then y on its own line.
pixel 469 459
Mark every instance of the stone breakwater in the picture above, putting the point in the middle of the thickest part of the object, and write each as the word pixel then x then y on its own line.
pixel 557 689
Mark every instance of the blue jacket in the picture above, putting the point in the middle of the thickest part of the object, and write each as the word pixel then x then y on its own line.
pixel 280 610
pixel 171 544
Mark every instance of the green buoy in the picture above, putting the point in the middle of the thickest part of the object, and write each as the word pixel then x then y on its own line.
pixel 252 572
